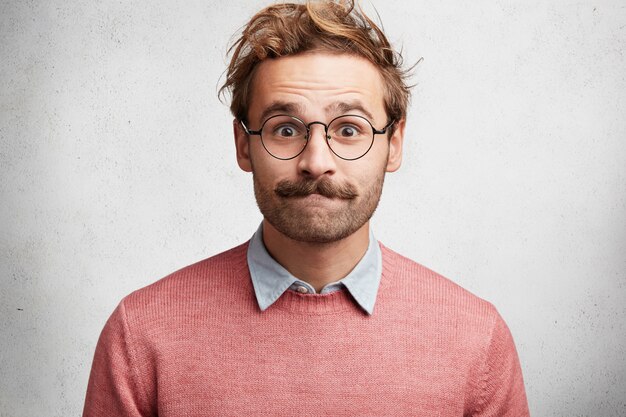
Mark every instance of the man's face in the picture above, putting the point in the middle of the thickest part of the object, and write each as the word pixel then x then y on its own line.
pixel 318 197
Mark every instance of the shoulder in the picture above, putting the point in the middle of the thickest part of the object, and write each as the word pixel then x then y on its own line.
pixel 438 309
pixel 196 284
pixel 425 289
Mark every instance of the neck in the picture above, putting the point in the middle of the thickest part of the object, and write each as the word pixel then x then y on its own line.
pixel 316 263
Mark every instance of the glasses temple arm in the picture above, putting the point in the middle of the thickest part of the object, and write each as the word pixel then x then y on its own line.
pixel 249 131
pixel 384 129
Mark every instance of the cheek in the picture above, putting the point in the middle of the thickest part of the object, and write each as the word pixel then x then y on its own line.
pixel 374 161
pixel 268 170
pixel 366 173
pixel 358 174
pixel 380 148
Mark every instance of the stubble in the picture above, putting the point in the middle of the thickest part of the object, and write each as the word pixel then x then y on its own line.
pixel 286 208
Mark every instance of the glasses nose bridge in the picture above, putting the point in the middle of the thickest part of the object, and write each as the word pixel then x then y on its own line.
pixel 308 129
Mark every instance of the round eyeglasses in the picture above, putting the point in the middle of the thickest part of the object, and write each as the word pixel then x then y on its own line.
pixel 349 136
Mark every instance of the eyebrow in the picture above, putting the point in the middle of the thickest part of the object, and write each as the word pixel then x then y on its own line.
pixel 282 107
pixel 338 108
pixel 343 107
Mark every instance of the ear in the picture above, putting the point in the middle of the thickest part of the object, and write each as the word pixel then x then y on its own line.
pixel 242 145
pixel 395 147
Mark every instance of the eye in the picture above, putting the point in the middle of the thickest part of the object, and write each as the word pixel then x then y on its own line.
pixel 347 131
pixel 285 131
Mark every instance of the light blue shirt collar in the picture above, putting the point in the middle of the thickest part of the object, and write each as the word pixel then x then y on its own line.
pixel 271 280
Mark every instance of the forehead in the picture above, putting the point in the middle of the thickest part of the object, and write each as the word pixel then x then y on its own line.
pixel 317 84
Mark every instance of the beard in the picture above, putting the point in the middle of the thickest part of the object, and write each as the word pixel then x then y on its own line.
pixel 285 209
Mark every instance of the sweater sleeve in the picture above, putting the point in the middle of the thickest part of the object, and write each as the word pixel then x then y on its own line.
pixel 115 387
pixel 502 392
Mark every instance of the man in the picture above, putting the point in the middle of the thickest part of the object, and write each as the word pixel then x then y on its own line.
pixel 312 316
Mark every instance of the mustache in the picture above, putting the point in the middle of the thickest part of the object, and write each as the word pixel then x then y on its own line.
pixel 324 186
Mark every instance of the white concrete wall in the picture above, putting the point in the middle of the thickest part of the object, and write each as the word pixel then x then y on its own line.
pixel 117 167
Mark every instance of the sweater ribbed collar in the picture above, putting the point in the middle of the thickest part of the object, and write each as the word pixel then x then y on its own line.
pixel 271 280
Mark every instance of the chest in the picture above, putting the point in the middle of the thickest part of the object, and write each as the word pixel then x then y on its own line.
pixel 311 367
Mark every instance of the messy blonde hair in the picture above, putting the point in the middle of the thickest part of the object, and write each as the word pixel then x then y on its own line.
pixel 326 25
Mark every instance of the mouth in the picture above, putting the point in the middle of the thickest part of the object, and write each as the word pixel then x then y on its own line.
pixel 320 195
pixel 318 200
pixel 312 196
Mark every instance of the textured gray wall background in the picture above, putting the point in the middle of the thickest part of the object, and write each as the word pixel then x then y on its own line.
pixel 117 167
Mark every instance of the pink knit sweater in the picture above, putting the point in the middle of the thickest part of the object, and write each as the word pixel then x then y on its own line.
pixel 196 344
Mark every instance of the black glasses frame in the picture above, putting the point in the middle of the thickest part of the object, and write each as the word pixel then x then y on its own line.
pixel 308 134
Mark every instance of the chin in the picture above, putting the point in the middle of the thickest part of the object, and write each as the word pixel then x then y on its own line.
pixel 318 228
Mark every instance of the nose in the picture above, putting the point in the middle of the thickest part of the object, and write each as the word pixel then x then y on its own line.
pixel 317 159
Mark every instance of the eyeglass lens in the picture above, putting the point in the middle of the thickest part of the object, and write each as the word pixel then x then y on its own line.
pixel 349 137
